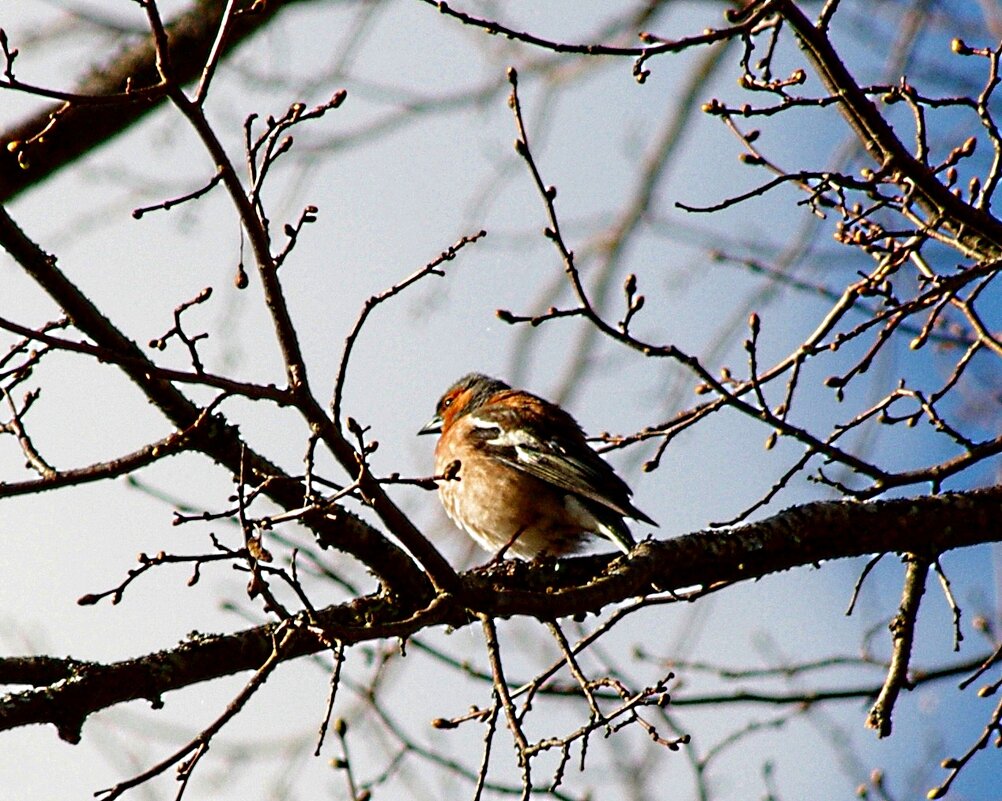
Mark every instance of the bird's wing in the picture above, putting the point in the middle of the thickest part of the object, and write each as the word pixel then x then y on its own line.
pixel 567 462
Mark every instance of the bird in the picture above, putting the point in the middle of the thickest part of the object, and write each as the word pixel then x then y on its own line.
pixel 528 483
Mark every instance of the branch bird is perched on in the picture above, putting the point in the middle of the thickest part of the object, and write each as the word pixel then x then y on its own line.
pixel 528 481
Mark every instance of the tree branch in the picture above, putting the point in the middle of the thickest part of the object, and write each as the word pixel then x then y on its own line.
pixel 800 536
pixel 903 632
pixel 977 232
pixel 76 127
pixel 218 439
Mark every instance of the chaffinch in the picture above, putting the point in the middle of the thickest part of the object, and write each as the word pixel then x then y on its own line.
pixel 528 482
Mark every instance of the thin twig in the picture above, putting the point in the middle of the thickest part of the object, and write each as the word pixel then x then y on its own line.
pixel 903 634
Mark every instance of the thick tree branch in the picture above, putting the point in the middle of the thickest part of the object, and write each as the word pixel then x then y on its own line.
pixel 800 536
pixel 80 127
pixel 255 225
pixel 977 232
pixel 217 439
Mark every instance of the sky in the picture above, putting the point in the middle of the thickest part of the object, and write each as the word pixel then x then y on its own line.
pixel 419 155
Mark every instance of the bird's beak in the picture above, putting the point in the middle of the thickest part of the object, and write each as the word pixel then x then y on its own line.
pixel 433 426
